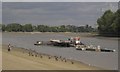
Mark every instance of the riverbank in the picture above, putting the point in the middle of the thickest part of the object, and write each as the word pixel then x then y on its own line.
pixel 82 34
pixel 24 59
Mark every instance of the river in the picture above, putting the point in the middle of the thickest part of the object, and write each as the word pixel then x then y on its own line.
pixel 99 59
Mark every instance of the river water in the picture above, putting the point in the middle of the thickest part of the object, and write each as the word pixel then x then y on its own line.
pixel 103 60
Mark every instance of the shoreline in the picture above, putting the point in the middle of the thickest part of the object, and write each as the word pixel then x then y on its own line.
pixel 50 62
pixel 0 57
pixel 81 34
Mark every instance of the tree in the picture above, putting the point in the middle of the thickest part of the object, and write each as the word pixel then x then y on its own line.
pixel 62 28
pixel 15 27
pixel 116 23
pixel 81 29
pixel 34 28
pixel 105 22
pixel 109 23
pixel 3 27
pixel 27 28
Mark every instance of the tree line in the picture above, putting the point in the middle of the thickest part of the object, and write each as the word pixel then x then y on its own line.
pixel 109 23
pixel 16 27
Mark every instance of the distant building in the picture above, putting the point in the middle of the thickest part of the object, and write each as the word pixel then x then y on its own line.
pixel 119 5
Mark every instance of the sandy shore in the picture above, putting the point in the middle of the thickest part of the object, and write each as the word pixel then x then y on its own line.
pixel 23 59
pixel 0 57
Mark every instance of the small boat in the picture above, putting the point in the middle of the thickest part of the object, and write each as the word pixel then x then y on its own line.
pixel 38 43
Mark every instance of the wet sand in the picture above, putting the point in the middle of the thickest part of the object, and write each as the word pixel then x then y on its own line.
pixel 24 59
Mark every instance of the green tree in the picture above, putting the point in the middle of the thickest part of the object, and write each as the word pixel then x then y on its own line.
pixel 42 28
pixel 3 27
pixel 105 22
pixel 109 23
pixel 27 28
pixel 34 28
pixel 116 23
pixel 81 29
pixel 15 27
pixel 62 28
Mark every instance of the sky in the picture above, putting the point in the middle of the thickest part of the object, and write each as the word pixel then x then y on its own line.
pixel 60 0
pixel 55 13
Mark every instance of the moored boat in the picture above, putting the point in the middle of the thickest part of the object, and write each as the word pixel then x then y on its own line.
pixel 96 49
pixel 38 43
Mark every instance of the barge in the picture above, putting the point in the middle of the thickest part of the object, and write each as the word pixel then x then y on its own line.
pixel 96 49
pixel 71 42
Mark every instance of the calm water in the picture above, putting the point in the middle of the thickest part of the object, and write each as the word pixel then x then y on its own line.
pixel 103 60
